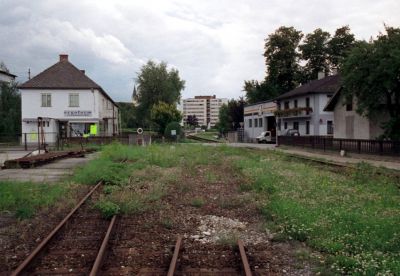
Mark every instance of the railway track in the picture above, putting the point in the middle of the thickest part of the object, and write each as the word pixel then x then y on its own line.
pixel 76 246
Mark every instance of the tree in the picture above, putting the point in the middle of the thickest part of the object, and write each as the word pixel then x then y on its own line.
pixel 163 113
pixel 371 75
pixel 192 120
pixel 10 109
pixel 3 67
pixel 314 51
pixel 155 83
pixel 236 112
pixel 173 126
pixel 259 91
pixel 281 58
pixel 339 46
pixel 223 124
pixel 128 115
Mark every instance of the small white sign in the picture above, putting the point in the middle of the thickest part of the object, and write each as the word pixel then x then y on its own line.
pixel 173 132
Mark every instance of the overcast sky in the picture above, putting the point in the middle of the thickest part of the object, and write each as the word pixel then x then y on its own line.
pixel 215 45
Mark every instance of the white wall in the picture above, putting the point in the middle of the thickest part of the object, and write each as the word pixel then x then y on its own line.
pixel 5 78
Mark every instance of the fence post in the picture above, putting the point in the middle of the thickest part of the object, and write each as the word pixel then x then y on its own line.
pixel 324 142
pixel 25 142
pixel 359 146
pixel 380 147
pixel 340 145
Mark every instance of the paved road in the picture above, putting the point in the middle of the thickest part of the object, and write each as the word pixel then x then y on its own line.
pixel 390 162
pixel 51 172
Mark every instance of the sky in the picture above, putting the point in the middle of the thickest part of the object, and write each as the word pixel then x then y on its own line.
pixel 215 45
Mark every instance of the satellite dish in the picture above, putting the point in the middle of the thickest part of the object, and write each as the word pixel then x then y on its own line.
pixel 139 130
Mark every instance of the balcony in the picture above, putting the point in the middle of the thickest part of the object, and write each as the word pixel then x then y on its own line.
pixel 298 112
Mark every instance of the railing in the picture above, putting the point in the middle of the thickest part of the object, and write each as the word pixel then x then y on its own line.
pixel 380 147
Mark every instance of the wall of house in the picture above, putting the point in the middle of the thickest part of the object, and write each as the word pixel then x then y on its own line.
pixel 259 111
pixel 359 128
pixel 5 78
pixel 318 117
pixel 93 103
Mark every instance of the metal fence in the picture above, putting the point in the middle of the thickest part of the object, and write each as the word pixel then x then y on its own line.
pixel 381 147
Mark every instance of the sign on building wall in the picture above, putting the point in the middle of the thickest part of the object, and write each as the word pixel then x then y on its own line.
pixel 73 113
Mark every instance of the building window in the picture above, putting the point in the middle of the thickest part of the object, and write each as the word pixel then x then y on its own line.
pixel 307 105
pixel 74 100
pixel 46 100
pixel 260 123
pixel 349 106
pixel 307 127
pixel 296 125
pixel 287 105
pixel 295 103
pixel 250 123
pixel 279 125
pixel 278 106
pixel 255 122
pixel 329 127
pixel 285 125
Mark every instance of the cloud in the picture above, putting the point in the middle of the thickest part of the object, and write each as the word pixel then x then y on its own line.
pixel 215 45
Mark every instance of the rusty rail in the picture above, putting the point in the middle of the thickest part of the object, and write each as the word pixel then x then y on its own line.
pixel 172 265
pixel 24 265
pixel 100 256
pixel 245 261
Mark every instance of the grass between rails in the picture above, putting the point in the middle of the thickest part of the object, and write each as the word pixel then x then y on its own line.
pixel 352 217
pixel 24 199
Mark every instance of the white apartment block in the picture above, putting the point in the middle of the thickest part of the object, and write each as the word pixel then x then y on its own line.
pixel 205 108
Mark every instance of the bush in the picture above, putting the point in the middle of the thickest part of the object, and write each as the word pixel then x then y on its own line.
pixel 107 208
pixel 173 126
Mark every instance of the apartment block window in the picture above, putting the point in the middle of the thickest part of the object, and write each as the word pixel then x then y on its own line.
pixel 74 100
pixel 285 125
pixel 46 100
pixel 295 103
pixel 287 105
pixel 260 123
pixel 307 127
pixel 329 127
pixel 250 123
pixel 255 122
pixel 296 125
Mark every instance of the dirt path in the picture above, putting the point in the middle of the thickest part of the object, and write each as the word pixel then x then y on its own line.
pixel 207 208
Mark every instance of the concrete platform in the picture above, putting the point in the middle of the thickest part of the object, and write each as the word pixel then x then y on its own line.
pixel 48 173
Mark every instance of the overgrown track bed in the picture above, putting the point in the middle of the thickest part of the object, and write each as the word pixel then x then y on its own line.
pixel 73 246
pixel 197 138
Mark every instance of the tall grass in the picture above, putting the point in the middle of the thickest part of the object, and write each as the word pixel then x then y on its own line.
pixel 24 199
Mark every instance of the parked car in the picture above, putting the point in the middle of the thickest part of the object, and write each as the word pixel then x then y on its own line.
pixel 291 132
pixel 265 137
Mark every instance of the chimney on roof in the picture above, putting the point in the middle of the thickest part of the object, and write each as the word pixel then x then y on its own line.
pixel 83 71
pixel 63 57
pixel 321 75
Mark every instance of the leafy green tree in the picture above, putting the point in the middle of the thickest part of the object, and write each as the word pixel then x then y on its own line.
pixel 128 115
pixel 10 109
pixel 259 91
pixel 155 83
pixel 236 111
pixel 371 75
pixel 340 45
pixel 223 124
pixel 281 58
pixel 164 113
pixel 314 51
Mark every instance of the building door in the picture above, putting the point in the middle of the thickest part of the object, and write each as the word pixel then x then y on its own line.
pixel 63 129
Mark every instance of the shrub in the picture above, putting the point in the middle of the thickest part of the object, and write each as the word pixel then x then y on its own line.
pixel 107 208
pixel 173 126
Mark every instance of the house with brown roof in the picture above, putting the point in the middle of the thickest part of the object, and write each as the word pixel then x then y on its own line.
pixel 302 108
pixel 351 125
pixel 68 102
